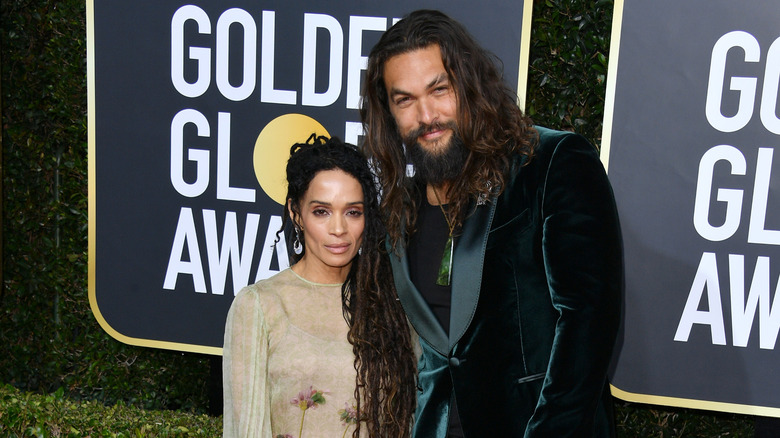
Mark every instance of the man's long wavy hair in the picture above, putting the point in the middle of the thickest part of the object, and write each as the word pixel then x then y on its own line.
pixel 384 360
pixel 492 126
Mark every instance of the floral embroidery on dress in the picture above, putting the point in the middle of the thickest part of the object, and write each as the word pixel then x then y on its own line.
pixel 311 398
pixel 348 416
pixel 306 399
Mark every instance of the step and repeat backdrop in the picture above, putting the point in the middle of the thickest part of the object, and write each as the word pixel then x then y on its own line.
pixel 690 134
pixel 193 108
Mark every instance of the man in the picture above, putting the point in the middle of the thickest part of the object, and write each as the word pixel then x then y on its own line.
pixel 505 242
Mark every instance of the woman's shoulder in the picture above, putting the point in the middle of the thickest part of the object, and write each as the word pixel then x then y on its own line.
pixel 267 291
pixel 263 301
pixel 272 285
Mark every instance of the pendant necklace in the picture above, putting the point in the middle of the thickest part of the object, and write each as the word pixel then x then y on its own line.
pixel 445 269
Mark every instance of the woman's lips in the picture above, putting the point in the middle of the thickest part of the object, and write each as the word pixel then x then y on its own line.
pixel 338 248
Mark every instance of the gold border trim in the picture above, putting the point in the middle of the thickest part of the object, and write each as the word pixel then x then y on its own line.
pixel 525 50
pixel 92 209
pixel 612 70
pixel 695 404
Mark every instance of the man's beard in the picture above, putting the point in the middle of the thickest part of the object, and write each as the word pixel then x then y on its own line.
pixel 442 165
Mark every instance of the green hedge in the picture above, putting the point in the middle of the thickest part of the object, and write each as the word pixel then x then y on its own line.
pixel 642 421
pixel 26 414
pixel 567 69
pixel 50 340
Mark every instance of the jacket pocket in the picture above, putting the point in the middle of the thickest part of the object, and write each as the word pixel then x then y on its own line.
pixel 531 378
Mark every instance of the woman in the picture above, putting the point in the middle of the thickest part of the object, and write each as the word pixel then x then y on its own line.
pixel 322 349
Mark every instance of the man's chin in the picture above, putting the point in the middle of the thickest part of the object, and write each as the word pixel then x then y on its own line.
pixel 439 161
pixel 436 147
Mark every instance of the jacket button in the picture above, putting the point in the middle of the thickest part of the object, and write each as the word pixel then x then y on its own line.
pixel 454 361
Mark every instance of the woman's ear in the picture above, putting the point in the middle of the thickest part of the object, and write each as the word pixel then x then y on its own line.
pixel 293 215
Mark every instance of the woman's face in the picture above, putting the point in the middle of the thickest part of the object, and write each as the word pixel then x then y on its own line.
pixel 332 222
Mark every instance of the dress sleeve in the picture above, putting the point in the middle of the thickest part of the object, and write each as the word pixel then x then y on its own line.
pixel 582 250
pixel 244 368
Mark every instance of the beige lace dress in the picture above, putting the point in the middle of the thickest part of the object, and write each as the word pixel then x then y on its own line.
pixel 286 349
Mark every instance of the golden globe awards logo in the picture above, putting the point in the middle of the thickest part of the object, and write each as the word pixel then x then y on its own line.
pixel 269 164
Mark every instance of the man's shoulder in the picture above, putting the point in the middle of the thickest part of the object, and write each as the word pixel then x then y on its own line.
pixel 550 140
pixel 550 143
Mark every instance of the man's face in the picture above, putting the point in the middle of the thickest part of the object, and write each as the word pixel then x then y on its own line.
pixel 421 99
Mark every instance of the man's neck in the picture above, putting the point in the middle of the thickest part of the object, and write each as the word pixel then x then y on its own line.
pixel 437 195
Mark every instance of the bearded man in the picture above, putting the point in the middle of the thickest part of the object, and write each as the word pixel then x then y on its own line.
pixel 504 239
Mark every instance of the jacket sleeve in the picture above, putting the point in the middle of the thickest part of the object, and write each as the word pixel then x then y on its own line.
pixel 244 368
pixel 583 261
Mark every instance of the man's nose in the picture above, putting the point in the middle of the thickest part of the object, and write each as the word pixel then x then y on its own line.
pixel 426 111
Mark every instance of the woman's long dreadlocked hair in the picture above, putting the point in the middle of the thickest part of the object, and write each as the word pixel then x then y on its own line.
pixel 491 125
pixel 378 331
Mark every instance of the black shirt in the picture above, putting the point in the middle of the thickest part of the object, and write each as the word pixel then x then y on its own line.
pixel 425 251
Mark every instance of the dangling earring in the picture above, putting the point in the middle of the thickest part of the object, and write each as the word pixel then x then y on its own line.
pixel 297 245
pixel 360 251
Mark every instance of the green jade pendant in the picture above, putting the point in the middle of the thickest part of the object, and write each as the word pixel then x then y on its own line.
pixel 445 270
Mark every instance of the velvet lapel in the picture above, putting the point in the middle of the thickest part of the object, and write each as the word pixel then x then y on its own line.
pixel 467 269
pixel 417 310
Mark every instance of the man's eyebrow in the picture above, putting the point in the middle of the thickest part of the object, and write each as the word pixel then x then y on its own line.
pixel 394 91
pixel 441 78
pixel 438 80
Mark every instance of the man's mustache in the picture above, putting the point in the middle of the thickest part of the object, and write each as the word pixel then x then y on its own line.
pixel 426 128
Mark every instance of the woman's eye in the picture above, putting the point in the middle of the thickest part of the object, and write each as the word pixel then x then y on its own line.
pixel 356 213
pixel 320 212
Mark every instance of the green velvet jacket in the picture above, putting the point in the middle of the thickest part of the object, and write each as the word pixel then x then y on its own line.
pixel 536 300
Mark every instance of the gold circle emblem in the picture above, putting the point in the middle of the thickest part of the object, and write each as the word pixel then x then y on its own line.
pixel 272 149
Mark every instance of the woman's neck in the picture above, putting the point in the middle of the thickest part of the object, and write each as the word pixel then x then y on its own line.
pixel 321 273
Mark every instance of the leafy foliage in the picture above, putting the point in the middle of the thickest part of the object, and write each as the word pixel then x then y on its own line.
pixel 649 421
pixel 50 341
pixel 568 65
pixel 27 414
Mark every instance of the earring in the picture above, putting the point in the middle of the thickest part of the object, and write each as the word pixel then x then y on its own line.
pixel 360 251
pixel 297 245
